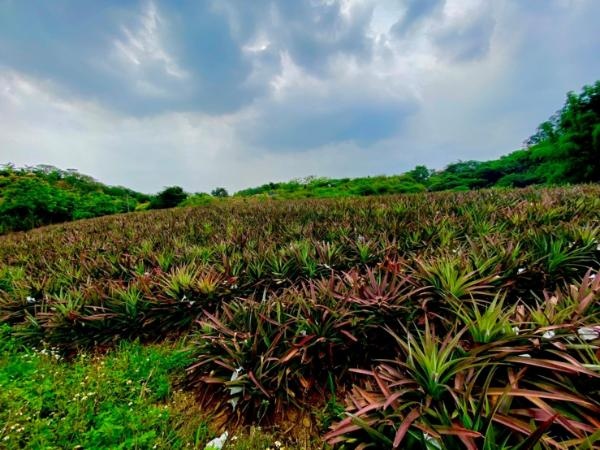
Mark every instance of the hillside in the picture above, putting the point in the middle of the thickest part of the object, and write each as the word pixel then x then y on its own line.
pixel 466 319
pixel 41 195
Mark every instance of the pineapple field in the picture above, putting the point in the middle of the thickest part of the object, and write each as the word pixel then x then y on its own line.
pixel 450 320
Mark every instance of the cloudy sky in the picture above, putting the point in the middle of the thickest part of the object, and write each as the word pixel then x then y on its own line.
pixel 202 93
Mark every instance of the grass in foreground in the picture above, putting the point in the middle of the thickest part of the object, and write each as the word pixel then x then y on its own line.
pixel 124 399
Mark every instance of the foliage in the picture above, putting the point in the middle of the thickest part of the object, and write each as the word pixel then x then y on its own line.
pixel 452 319
pixel 34 196
pixel 198 199
pixel 219 192
pixel 168 198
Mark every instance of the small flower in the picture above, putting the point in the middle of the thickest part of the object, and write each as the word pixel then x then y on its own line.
pixel 520 270
pixel 30 300
pixel 589 333
pixel 277 444
pixel 548 334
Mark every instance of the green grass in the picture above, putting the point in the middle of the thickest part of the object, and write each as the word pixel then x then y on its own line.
pixel 124 399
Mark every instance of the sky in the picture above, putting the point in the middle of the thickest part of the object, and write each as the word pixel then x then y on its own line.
pixel 200 94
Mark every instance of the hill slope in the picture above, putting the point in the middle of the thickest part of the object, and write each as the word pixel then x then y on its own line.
pixel 41 195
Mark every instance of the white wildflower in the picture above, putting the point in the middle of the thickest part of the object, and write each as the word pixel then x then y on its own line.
pixel 589 333
pixel 520 270
pixel 217 443
pixel 30 300
pixel 515 330
pixel 548 334
pixel 277 444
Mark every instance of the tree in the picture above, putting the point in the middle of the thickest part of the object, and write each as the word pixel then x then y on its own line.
pixel 420 174
pixel 168 198
pixel 219 192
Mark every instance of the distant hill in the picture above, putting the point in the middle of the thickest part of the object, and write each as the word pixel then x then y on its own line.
pixel 41 195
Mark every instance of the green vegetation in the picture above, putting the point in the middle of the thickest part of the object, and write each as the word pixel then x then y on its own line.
pixel 31 197
pixel 440 320
pixel 122 400
pixel 168 198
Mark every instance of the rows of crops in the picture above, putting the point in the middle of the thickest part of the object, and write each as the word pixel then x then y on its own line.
pixel 451 320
